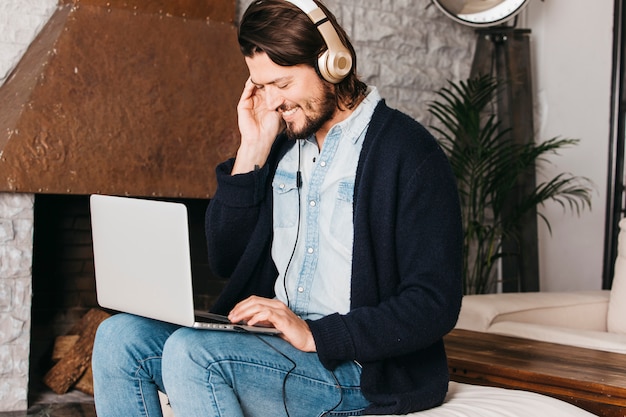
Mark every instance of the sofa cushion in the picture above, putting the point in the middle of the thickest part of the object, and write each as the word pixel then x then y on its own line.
pixel 617 302
pixel 464 400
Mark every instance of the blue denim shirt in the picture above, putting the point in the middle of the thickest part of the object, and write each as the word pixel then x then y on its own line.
pixel 313 225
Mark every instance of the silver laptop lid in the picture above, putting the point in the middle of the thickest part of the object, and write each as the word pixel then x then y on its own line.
pixel 142 258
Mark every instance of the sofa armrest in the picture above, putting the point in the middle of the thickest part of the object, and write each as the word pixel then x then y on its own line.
pixel 579 310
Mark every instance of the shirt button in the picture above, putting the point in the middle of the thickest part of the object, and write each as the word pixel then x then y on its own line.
pixel 310 250
pixel 300 289
pixel 281 186
pixel 312 203
pixel 323 163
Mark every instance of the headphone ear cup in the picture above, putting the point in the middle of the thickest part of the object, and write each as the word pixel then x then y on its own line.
pixel 336 62
pixel 334 66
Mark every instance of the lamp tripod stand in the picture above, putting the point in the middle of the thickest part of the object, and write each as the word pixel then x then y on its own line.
pixel 504 52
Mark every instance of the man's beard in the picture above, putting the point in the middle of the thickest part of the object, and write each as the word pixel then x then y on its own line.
pixel 327 106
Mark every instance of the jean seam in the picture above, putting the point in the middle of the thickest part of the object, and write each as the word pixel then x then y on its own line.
pixel 140 367
pixel 217 407
pixel 271 367
pixel 217 364
pixel 346 413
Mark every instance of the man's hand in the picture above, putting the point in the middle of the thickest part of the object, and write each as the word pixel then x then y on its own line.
pixel 258 125
pixel 268 312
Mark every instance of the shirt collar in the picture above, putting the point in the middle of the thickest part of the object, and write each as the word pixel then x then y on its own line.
pixel 358 121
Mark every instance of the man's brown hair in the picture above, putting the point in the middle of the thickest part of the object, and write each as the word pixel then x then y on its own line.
pixel 289 37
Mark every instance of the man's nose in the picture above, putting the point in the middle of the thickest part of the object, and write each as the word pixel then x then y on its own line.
pixel 273 98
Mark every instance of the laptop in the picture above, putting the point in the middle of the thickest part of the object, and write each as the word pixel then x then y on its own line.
pixel 143 264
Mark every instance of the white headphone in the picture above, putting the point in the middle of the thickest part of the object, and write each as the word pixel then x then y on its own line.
pixel 336 62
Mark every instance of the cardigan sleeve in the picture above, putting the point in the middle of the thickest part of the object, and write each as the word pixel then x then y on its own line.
pixel 232 215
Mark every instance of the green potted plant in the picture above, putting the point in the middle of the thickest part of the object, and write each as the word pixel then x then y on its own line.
pixel 487 166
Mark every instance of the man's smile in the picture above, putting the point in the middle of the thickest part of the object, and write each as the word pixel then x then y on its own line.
pixel 288 112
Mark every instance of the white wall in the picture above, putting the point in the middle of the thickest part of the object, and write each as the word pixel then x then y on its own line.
pixel 571 43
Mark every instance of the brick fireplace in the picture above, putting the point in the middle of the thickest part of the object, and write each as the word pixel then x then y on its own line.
pixel 47 265
pixel 115 97
pixel 63 272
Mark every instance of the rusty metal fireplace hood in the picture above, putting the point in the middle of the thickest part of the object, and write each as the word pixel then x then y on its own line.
pixel 124 97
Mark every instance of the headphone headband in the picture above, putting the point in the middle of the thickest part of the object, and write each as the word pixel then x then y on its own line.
pixel 336 62
pixel 307 6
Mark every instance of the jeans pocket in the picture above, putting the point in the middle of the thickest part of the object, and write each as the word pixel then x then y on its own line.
pixel 358 412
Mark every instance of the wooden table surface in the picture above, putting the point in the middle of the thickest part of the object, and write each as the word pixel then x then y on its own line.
pixel 591 379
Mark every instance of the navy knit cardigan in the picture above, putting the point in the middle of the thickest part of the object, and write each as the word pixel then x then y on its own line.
pixel 406 267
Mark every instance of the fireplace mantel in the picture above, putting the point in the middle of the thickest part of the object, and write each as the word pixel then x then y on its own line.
pixel 122 97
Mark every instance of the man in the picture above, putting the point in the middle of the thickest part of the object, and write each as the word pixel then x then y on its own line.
pixel 338 223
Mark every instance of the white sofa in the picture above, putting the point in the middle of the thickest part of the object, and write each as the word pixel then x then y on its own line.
pixel 464 400
pixel 589 319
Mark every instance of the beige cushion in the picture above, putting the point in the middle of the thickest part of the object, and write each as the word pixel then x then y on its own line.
pixel 616 318
pixel 464 400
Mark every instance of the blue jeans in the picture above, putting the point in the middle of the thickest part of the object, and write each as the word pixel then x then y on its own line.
pixel 214 373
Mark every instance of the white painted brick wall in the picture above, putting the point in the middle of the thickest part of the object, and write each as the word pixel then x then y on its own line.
pixel 16 249
pixel 406 49
pixel 20 22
